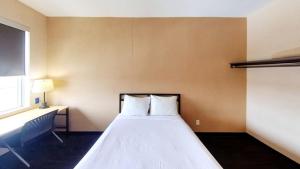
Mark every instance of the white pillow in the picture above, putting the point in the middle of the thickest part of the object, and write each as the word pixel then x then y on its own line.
pixel 163 106
pixel 135 106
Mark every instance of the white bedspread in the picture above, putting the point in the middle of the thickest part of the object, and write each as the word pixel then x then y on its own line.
pixel 150 142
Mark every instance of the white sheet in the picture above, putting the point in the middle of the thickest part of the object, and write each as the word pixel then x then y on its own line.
pixel 148 142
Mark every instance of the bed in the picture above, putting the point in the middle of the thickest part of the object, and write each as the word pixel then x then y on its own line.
pixel 148 142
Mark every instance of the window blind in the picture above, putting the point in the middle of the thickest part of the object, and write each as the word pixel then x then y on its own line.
pixel 12 51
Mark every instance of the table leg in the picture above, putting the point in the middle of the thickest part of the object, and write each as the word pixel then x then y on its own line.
pixel 67 120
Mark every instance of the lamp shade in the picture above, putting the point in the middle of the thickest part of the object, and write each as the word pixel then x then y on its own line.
pixel 42 85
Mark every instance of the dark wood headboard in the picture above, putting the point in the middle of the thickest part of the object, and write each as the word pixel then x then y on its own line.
pixel 121 98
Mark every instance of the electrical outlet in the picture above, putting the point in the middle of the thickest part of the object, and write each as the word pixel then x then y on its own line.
pixel 37 100
pixel 197 122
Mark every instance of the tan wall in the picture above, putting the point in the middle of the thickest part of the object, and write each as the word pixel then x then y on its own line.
pixel 37 24
pixel 94 59
pixel 273 109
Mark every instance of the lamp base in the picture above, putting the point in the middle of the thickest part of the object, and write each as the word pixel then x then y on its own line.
pixel 44 106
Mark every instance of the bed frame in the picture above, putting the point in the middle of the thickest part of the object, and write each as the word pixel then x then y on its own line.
pixel 121 98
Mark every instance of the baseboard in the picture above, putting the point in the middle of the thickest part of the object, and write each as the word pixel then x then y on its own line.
pixel 99 132
pixel 221 133
pixel 209 132
pixel 197 133
pixel 200 133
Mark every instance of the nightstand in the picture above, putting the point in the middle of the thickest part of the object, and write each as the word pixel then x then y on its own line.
pixel 63 111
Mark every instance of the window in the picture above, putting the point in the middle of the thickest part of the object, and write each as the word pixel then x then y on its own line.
pixel 11 96
pixel 14 81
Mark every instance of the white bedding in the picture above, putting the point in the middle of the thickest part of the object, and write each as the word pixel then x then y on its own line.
pixel 148 142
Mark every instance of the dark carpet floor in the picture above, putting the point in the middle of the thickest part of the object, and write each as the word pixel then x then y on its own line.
pixel 48 153
pixel 242 151
pixel 232 151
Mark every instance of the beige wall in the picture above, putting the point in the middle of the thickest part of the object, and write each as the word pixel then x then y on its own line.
pixel 16 12
pixel 94 59
pixel 273 109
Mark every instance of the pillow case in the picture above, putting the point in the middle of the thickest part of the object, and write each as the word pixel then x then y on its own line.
pixel 135 106
pixel 163 106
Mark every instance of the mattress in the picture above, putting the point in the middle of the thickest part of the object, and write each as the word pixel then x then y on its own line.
pixel 148 142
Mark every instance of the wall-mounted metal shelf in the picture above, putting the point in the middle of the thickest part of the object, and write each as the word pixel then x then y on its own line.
pixel 278 62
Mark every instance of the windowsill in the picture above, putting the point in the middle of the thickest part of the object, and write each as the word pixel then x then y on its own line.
pixel 15 111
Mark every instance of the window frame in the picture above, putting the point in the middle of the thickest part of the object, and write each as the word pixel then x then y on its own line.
pixel 23 81
pixel 19 88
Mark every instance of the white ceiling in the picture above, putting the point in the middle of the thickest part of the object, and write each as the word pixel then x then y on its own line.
pixel 146 8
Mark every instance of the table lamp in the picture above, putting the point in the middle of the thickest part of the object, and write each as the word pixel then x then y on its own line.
pixel 42 86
